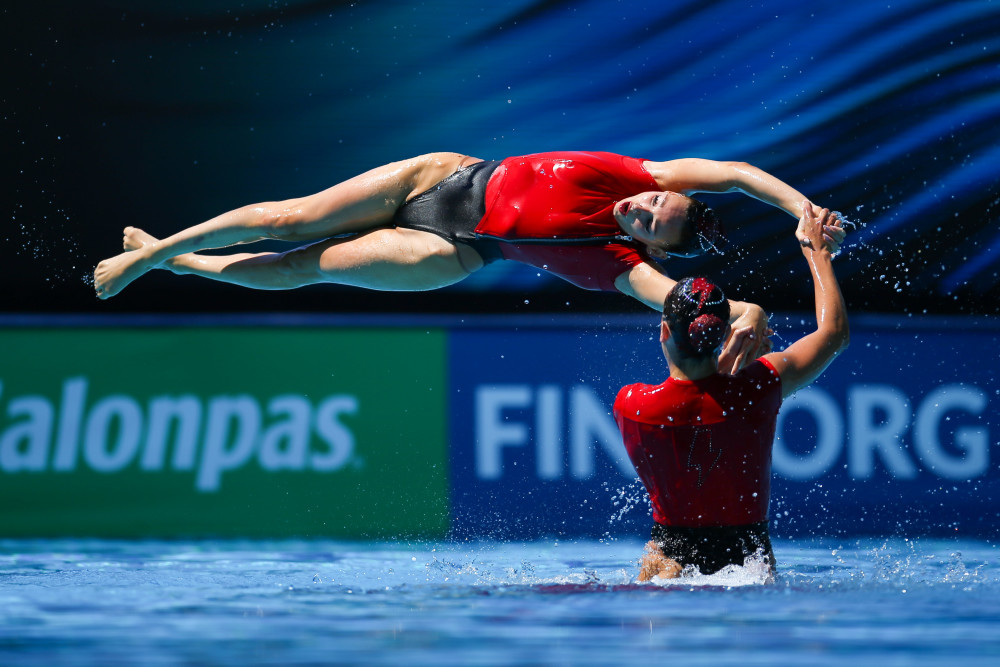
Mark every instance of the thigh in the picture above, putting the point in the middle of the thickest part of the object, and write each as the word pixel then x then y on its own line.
pixel 368 200
pixel 392 259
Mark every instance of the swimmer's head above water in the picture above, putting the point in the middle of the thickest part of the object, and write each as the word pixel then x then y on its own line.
pixel 670 224
pixel 697 314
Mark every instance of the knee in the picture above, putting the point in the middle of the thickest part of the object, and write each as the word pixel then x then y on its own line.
pixel 298 267
pixel 278 220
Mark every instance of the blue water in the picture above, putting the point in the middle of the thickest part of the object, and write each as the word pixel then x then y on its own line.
pixel 894 602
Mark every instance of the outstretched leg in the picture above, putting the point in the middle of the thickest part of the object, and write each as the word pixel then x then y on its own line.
pixel 362 203
pixel 381 259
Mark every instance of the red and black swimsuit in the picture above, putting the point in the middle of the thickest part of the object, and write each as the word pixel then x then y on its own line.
pixel 553 211
pixel 703 451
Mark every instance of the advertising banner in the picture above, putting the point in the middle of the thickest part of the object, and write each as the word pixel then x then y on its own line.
pixel 535 450
pixel 223 431
pixel 490 430
pixel 899 436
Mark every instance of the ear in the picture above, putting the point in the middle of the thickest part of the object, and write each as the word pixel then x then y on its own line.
pixel 664 331
pixel 656 253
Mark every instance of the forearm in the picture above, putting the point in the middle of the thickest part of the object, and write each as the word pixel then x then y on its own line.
pixel 748 338
pixel 745 313
pixel 764 187
pixel 802 361
pixel 693 175
pixel 831 311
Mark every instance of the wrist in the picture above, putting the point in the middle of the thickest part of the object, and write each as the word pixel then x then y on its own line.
pixel 812 253
pixel 148 252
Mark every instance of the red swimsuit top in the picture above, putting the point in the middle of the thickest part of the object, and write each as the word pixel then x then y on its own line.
pixel 703 449
pixel 553 210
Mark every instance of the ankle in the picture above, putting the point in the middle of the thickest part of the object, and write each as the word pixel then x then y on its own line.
pixel 178 265
pixel 151 253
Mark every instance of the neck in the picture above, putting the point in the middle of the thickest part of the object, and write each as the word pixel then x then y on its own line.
pixel 693 369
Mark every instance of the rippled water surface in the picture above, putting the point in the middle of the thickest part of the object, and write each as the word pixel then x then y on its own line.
pixel 546 602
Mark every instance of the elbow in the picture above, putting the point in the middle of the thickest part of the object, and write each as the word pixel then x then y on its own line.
pixel 737 176
pixel 843 339
pixel 836 337
pixel 739 170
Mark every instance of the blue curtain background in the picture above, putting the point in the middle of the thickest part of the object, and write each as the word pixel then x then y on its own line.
pixel 161 114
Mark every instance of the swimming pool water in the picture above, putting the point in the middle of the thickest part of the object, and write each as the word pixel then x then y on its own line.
pixel 836 601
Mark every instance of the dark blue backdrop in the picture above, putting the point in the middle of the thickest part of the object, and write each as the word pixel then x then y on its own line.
pixel 899 436
pixel 164 114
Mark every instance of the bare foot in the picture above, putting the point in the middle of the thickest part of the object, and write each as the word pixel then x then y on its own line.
pixel 135 239
pixel 115 273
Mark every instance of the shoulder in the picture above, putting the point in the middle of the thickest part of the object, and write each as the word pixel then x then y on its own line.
pixel 631 393
pixel 758 370
pixel 763 367
pixel 624 393
pixel 760 378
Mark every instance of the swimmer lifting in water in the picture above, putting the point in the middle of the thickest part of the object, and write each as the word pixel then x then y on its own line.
pixel 598 220
pixel 701 441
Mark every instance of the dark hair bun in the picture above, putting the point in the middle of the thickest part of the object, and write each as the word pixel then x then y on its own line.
pixel 697 312
pixel 706 332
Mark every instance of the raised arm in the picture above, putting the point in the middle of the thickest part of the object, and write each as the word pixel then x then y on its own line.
pixel 648 284
pixel 804 360
pixel 692 175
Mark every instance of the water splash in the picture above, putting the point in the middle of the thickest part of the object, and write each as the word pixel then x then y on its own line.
pixel 48 244
pixel 904 565
pixel 755 571
pixel 625 499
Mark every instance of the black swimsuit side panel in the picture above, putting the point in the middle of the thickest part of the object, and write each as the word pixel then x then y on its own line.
pixel 452 208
